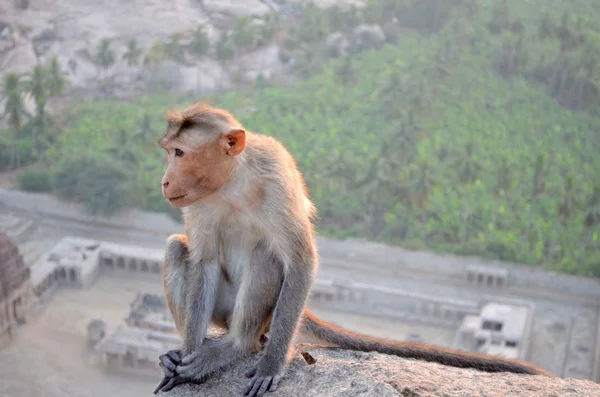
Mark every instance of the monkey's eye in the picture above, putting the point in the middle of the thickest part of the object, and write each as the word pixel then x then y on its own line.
pixel 178 153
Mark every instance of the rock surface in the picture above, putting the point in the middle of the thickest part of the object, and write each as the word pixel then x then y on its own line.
pixel 71 31
pixel 338 372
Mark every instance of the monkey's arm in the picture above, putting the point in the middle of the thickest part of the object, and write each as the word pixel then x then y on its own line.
pixel 190 291
pixel 293 295
pixel 174 268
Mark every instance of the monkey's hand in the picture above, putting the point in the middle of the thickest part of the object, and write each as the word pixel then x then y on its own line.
pixel 208 358
pixel 265 377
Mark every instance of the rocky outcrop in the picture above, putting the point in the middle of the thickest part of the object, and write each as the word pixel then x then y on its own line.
pixel 328 372
pixel 368 36
pixel 337 44
pixel 235 8
pixel 71 31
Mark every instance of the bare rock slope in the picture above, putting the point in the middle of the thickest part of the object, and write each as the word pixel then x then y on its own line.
pixel 335 372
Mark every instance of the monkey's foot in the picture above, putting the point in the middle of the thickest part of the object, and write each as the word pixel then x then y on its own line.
pixel 168 362
pixel 263 380
pixel 208 359
pixel 167 383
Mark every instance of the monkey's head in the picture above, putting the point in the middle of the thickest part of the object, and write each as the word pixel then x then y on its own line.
pixel 201 144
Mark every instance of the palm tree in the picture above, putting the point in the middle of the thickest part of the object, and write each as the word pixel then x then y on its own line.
pixel 56 78
pixel 36 84
pixel 156 53
pixel 569 203
pixel 423 180
pixel 133 53
pixel 199 45
pixel 269 28
pixel 244 35
pixel 14 108
pixel 173 49
pixel 468 166
pixel 105 57
pixel 225 47
pixel 41 124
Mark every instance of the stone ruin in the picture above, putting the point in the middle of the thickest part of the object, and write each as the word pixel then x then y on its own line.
pixel 79 261
pixel 16 294
pixel 499 328
pixel 72 261
pixel 150 311
pixel 148 331
pixel 481 322
pixel 96 330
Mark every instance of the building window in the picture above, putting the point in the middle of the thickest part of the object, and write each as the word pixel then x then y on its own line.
pixel 492 325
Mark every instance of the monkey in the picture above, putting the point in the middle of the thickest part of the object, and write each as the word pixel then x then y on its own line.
pixel 248 257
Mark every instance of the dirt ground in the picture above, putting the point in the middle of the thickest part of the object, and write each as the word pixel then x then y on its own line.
pixel 48 357
pixel 8 180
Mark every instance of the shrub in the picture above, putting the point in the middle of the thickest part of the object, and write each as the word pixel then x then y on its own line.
pixel 36 180
pixel 99 182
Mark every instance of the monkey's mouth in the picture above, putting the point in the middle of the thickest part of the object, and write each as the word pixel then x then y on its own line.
pixel 171 199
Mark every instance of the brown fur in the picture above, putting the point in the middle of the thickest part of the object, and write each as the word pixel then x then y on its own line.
pixel 248 257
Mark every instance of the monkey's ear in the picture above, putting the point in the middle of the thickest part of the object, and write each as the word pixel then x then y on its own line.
pixel 234 142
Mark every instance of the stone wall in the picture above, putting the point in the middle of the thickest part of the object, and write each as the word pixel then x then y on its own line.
pixel 16 294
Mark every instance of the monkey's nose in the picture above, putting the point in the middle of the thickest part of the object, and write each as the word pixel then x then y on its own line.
pixel 165 184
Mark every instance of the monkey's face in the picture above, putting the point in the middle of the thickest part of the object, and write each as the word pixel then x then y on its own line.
pixel 197 168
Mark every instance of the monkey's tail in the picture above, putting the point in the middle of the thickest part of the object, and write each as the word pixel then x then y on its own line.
pixel 346 339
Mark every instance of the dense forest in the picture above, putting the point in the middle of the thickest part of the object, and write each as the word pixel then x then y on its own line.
pixel 474 128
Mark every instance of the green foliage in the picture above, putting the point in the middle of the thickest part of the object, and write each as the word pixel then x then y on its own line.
pixel 14 109
pixel 132 53
pixel 100 183
pixel 199 45
pixel 56 79
pixel 36 180
pixel 156 53
pixel 244 34
pixel 173 49
pixel 105 56
pixel 475 129
pixel 225 47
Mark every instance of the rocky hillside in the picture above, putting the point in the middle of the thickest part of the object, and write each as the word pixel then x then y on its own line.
pixel 335 372
pixel 90 39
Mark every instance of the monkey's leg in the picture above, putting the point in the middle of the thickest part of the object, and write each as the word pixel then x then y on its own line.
pixel 269 370
pixel 254 304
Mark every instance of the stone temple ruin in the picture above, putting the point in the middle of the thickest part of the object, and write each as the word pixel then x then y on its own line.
pixel 499 328
pixel 147 333
pixel 16 294
pixel 470 301
pixel 78 261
